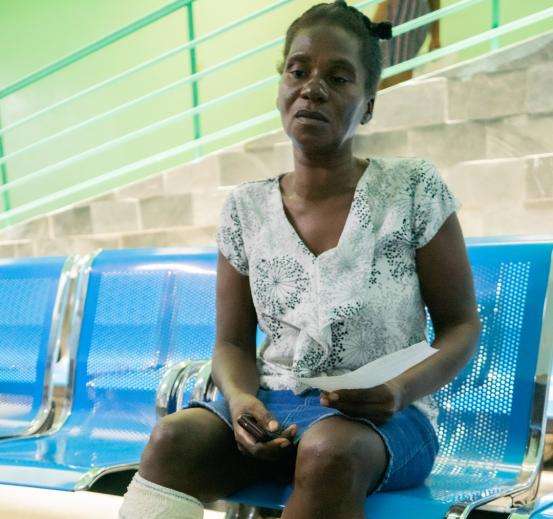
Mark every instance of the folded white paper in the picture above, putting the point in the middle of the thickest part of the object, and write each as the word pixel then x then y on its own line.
pixel 374 373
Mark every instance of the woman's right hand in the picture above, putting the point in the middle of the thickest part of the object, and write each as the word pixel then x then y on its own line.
pixel 272 450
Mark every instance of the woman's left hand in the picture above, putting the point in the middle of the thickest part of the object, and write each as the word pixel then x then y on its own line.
pixel 377 403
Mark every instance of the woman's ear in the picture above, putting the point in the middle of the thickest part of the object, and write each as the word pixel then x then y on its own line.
pixel 367 116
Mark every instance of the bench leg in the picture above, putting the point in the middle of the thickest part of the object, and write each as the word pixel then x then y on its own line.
pixel 239 511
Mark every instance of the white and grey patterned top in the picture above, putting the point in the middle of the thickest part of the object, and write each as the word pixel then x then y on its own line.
pixel 333 313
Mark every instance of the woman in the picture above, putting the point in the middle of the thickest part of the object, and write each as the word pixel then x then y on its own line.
pixel 407 45
pixel 333 260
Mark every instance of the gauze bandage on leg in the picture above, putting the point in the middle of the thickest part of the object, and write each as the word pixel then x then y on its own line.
pixel 147 500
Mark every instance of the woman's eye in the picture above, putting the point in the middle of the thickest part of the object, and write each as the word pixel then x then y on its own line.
pixel 297 73
pixel 339 79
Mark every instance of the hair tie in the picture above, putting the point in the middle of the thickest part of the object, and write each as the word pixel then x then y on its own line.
pixel 382 30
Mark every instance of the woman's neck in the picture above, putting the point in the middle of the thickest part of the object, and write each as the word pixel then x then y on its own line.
pixel 315 179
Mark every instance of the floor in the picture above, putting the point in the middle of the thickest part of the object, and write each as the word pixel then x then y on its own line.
pixel 33 503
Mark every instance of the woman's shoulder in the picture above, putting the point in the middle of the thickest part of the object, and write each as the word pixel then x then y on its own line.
pixel 401 164
pixel 406 173
pixel 253 190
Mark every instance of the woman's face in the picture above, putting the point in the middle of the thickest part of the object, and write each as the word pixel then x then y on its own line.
pixel 321 95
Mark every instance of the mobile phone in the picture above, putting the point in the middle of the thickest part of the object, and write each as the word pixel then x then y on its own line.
pixel 250 424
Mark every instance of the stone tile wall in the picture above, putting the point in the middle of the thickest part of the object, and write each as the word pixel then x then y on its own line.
pixel 487 124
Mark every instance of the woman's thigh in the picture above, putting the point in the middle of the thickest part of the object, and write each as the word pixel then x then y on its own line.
pixel 410 439
pixel 204 449
pixel 411 442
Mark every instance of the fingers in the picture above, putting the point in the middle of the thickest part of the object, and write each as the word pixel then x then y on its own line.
pixel 271 450
pixel 290 431
pixel 374 394
pixel 247 443
pixel 264 417
pixel 378 416
pixel 241 449
pixel 379 413
pixel 243 437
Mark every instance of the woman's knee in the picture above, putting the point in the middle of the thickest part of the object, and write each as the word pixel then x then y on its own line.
pixel 340 454
pixel 325 460
pixel 167 435
pixel 181 436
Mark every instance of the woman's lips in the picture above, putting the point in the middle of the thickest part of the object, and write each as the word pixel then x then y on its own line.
pixel 310 120
pixel 311 115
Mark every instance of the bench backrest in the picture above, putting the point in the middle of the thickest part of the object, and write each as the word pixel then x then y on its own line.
pixel 489 412
pixel 144 308
pixel 491 420
pixel 30 289
pixel 486 411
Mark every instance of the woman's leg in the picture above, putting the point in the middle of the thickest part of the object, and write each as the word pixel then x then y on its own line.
pixel 192 457
pixel 193 451
pixel 339 461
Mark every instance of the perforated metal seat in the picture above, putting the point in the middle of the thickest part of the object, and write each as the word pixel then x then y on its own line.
pixel 33 295
pixel 492 415
pixel 144 310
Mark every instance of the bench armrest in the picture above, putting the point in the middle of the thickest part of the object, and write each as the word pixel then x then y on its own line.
pixel 170 393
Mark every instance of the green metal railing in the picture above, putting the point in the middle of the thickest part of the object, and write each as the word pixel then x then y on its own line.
pixel 4 176
pixel 100 44
pixel 193 70
pixel 12 215
pixel 495 21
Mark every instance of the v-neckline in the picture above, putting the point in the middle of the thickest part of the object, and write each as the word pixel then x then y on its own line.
pixel 291 228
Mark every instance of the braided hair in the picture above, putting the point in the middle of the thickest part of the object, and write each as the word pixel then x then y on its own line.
pixel 351 19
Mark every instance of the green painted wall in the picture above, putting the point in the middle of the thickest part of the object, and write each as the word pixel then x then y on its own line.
pixel 34 33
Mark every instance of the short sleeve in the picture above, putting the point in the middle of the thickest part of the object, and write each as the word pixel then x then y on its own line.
pixel 229 236
pixel 433 203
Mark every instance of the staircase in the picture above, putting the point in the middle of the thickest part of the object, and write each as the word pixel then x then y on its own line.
pixel 486 123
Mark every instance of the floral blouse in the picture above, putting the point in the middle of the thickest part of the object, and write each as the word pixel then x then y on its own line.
pixel 332 313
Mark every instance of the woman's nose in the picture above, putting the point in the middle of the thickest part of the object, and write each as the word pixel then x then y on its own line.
pixel 315 89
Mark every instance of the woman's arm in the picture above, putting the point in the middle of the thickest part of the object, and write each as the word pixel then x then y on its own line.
pixel 234 368
pixel 447 289
pixel 435 27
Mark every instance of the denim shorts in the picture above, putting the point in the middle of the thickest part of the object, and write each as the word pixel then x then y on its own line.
pixel 410 438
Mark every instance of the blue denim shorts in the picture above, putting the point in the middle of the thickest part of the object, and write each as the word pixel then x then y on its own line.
pixel 409 436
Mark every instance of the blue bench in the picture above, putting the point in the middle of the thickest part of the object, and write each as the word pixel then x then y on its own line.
pixel 541 509
pixel 143 312
pixel 148 327
pixel 492 415
pixel 33 298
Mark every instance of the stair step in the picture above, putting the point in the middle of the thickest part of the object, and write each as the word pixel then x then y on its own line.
pixel 399 107
pixel 519 135
pixel 16 249
pixel 115 216
pixel 539 177
pixel 184 236
pixel 540 79
pixel 488 96
pixel 502 182
pixel 449 143
pixel 491 184
pixel 486 123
